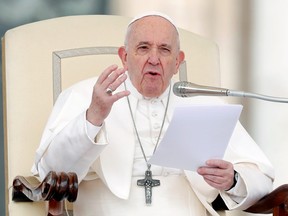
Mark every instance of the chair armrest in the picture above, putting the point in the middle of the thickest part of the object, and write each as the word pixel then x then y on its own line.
pixel 275 202
pixel 54 186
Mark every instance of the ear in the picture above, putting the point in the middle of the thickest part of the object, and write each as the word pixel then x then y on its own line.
pixel 180 59
pixel 123 56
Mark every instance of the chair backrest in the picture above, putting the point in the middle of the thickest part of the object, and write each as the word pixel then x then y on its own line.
pixel 42 58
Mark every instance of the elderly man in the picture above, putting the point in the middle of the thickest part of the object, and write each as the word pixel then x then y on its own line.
pixel 105 129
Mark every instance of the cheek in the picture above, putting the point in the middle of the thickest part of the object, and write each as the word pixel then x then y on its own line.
pixel 136 68
pixel 135 63
pixel 135 76
pixel 171 68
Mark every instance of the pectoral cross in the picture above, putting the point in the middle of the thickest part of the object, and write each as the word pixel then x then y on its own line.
pixel 148 183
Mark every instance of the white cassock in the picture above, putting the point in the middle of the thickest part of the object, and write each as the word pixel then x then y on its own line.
pixel 109 165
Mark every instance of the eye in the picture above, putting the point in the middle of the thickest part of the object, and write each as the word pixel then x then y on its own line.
pixel 143 49
pixel 165 50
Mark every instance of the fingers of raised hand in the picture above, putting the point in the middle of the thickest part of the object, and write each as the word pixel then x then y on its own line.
pixel 115 83
pixel 106 73
pixel 111 79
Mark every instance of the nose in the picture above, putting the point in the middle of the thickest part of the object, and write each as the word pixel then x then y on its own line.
pixel 154 57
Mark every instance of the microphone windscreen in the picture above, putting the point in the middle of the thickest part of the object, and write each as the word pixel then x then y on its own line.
pixel 179 88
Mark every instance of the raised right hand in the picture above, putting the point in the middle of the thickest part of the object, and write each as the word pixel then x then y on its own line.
pixel 102 102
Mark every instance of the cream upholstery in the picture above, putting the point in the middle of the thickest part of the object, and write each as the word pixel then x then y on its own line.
pixel 42 58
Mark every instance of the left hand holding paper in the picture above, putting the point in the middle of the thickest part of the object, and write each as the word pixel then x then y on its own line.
pixel 218 173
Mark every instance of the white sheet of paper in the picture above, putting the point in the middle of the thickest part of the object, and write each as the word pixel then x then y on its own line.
pixel 196 133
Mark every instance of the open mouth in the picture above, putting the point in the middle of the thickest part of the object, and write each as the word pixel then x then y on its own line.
pixel 153 73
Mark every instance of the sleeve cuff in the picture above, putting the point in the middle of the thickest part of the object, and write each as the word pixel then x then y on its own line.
pixel 236 194
pixel 92 130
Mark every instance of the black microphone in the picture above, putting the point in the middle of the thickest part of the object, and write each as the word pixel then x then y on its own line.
pixel 188 89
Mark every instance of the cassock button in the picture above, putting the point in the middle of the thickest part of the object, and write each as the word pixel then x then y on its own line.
pixel 156 126
pixel 153 101
pixel 154 114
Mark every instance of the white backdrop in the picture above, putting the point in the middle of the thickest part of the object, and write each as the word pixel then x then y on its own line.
pixel 269 63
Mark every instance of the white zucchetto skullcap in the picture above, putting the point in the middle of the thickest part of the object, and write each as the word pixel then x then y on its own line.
pixel 153 13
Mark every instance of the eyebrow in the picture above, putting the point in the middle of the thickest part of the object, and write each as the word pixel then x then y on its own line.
pixel 148 43
pixel 143 43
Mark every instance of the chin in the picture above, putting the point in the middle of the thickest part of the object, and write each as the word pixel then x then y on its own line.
pixel 152 89
pixel 152 93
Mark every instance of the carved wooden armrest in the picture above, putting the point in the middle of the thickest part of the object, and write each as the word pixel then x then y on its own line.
pixel 275 202
pixel 55 188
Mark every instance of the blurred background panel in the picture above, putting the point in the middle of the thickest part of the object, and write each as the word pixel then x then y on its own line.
pixel 252 39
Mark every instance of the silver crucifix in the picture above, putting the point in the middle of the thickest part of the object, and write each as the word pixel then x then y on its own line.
pixel 148 183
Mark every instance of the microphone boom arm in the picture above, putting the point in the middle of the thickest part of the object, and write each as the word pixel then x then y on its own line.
pixel 187 89
pixel 256 96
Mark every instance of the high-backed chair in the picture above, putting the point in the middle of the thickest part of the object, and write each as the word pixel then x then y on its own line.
pixel 43 58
